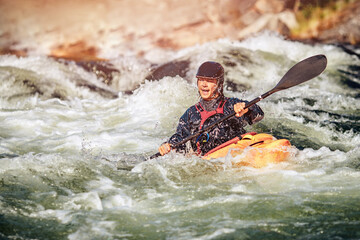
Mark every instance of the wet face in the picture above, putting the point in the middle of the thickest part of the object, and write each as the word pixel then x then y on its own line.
pixel 207 88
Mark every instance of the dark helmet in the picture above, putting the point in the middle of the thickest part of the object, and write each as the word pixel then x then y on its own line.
pixel 212 70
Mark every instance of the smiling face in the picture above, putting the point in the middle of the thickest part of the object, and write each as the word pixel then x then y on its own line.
pixel 207 88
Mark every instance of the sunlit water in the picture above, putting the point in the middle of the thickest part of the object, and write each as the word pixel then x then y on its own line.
pixel 73 162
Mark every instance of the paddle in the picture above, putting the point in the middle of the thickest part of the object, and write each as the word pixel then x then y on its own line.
pixel 299 73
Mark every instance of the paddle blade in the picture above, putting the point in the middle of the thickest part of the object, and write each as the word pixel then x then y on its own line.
pixel 303 71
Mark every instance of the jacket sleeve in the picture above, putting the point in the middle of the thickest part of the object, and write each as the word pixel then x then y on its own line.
pixel 182 131
pixel 255 113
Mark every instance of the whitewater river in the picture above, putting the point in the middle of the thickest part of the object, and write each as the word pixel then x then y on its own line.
pixel 73 150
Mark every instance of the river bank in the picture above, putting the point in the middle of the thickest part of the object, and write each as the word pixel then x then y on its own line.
pixel 94 30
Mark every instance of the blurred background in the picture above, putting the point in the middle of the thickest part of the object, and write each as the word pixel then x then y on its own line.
pixel 93 29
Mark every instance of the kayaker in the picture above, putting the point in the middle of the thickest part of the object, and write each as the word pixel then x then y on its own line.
pixel 212 106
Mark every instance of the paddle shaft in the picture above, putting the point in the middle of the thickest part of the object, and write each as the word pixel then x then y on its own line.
pixel 299 73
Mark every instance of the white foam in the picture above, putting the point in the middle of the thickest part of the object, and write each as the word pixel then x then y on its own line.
pixel 60 144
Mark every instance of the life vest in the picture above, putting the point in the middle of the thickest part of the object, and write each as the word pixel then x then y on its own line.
pixel 205 115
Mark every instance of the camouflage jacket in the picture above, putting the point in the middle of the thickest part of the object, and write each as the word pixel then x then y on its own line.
pixel 190 122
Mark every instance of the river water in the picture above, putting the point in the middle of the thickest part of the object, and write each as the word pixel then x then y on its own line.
pixel 73 161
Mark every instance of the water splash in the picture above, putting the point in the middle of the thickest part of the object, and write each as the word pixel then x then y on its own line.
pixel 75 166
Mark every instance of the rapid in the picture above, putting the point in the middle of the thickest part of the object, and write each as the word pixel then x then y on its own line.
pixel 74 161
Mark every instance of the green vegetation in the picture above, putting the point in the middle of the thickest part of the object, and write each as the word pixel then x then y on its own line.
pixel 311 13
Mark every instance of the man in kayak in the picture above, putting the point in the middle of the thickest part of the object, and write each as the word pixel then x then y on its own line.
pixel 212 106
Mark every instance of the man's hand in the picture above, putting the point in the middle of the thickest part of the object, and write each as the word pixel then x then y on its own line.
pixel 239 109
pixel 164 149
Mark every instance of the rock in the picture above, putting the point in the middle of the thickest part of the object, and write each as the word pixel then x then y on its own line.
pixel 102 69
pixel 172 69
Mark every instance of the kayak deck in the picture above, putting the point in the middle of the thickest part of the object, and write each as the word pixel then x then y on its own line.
pixel 258 150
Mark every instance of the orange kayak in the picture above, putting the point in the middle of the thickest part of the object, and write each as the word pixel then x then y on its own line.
pixel 255 150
